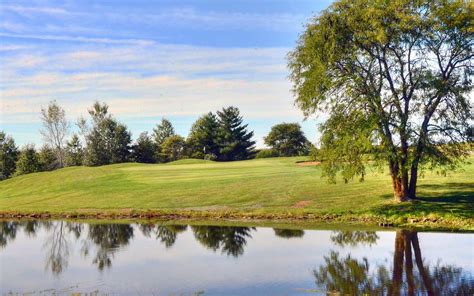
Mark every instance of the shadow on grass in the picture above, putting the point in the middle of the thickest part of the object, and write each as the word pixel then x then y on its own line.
pixel 447 198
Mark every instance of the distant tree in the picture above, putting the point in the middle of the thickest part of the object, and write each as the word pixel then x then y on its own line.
pixel 122 140
pixel 74 152
pixel 8 156
pixel 162 131
pixel 288 233
pixel 55 129
pixel 202 139
pixel 28 161
pixel 235 142
pixel 173 147
pixel 266 153
pixel 144 149
pixel 108 141
pixel 391 74
pixel 48 159
pixel 287 139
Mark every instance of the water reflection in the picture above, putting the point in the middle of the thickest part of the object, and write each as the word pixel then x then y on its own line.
pixel 340 269
pixel 288 233
pixel 350 276
pixel 166 234
pixel 231 240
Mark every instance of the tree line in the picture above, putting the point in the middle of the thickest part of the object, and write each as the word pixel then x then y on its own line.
pixel 101 140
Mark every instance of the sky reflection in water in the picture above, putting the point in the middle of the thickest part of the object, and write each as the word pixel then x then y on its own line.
pixel 163 259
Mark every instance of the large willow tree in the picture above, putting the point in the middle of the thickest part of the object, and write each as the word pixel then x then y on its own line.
pixel 394 76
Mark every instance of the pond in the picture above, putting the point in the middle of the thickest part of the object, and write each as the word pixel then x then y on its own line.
pixel 59 257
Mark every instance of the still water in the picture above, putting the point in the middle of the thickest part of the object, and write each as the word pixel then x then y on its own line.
pixel 44 257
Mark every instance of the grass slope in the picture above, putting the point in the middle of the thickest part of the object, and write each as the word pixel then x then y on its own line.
pixel 276 186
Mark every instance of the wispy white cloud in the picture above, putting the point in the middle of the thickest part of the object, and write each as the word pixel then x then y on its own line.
pixel 33 9
pixel 78 39
pixel 148 80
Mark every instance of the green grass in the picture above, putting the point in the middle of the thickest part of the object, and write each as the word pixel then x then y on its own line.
pixel 275 187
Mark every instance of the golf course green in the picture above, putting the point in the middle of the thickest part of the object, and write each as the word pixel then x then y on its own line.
pixel 271 188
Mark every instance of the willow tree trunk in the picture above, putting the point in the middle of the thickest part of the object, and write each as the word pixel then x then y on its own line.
pixel 400 182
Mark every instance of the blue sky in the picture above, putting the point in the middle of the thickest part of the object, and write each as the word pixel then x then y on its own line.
pixel 148 60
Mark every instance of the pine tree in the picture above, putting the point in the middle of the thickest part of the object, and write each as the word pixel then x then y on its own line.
pixel 144 149
pixel 28 162
pixel 8 156
pixel 74 152
pixel 235 142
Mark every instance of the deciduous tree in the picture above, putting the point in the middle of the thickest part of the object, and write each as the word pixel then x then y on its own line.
pixel 55 129
pixel 395 78
pixel 287 139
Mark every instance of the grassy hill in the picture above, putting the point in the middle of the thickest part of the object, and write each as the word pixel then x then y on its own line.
pixel 267 188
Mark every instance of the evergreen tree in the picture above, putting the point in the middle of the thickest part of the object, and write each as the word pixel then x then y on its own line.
pixel 8 156
pixel 74 152
pixel 28 161
pixel 235 142
pixel 48 159
pixel 202 138
pixel 144 149
pixel 162 131
pixel 108 141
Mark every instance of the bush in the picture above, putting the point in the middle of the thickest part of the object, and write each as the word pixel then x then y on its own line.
pixel 266 153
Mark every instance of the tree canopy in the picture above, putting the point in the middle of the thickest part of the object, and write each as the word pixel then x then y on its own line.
pixel 395 78
pixel 8 156
pixel 287 139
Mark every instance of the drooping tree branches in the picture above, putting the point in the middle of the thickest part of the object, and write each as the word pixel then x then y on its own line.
pixel 395 73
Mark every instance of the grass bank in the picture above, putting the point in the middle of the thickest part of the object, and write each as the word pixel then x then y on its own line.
pixel 261 189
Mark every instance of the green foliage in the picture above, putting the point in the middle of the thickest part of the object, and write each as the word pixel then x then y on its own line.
pixel 162 131
pixel 202 139
pixel 346 140
pixel 173 148
pixel 274 188
pixel 48 159
pixel 8 156
pixel 314 153
pixel 108 141
pixel 74 152
pixel 144 149
pixel 266 153
pixel 287 139
pixel 395 73
pixel 234 140
pixel 28 161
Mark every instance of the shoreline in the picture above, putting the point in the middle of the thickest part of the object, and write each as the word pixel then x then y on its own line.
pixel 430 222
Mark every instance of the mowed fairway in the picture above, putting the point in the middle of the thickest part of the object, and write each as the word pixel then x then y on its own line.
pixel 276 185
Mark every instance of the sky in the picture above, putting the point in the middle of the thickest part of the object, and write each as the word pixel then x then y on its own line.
pixel 150 59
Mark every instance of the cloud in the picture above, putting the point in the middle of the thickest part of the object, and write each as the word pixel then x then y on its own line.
pixel 32 9
pixel 78 39
pixel 147 80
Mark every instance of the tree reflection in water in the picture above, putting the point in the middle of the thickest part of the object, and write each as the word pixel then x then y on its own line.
pixel 231 240
pixel 349 276
pixel 108 238
pixel 8 231
pixel 167 234
pixel 288 233
pixel 57 244
pixel 353 238
pixel 407 273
